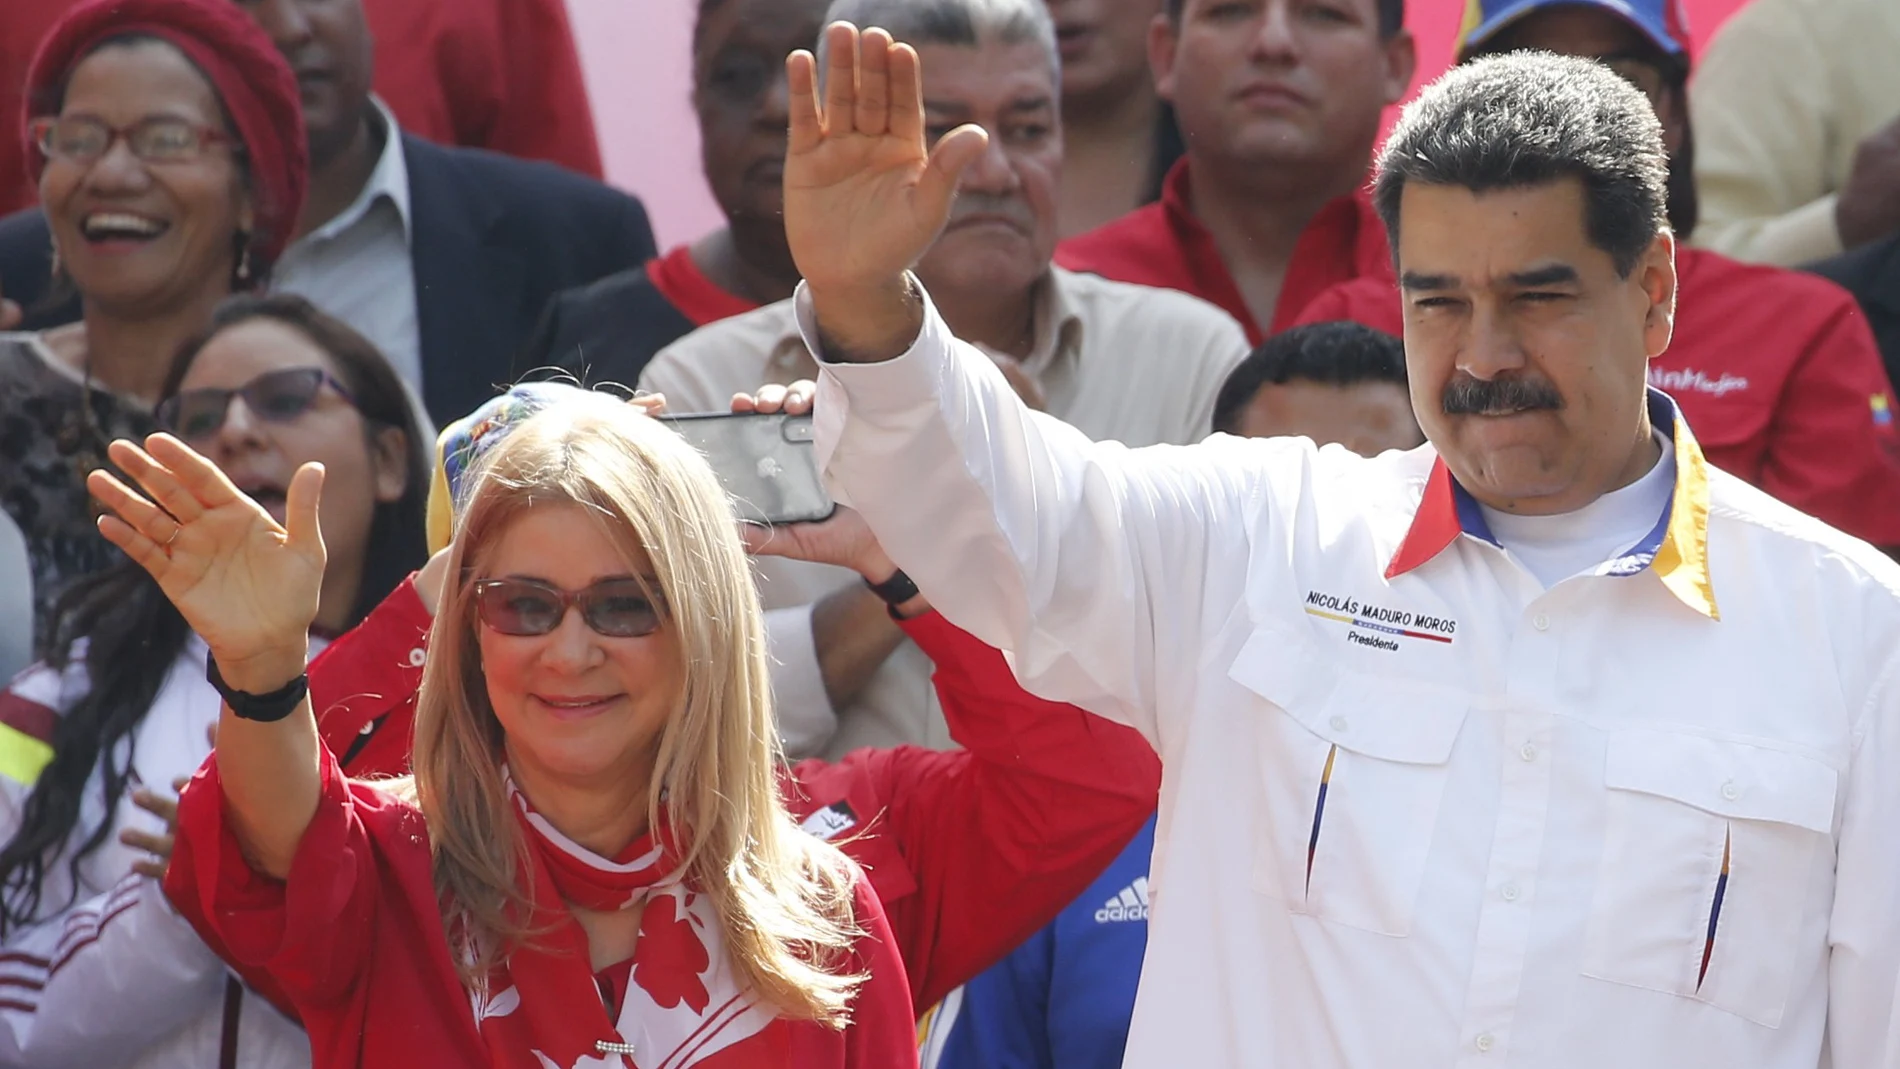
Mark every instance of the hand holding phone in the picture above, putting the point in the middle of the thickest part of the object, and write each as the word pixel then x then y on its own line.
pixel 767 462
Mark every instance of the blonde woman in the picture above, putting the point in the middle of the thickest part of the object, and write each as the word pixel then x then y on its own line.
pixel 591 865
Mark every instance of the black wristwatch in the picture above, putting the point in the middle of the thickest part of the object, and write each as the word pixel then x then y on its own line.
pixel 266 708
pixel 894 591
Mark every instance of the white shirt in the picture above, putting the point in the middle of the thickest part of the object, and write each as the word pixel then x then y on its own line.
pixel 118 980
pixel 1130 363
pixel 358 266
pixel 1418 811
pixel 1554 548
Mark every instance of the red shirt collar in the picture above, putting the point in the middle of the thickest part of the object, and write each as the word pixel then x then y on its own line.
pixel 686 287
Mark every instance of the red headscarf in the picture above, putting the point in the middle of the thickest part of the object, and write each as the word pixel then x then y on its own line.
pixel 256 86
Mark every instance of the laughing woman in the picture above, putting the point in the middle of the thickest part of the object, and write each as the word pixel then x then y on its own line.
pixel 168 143
pixel 591 865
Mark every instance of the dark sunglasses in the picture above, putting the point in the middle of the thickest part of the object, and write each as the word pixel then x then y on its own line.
pixel 275 396
pixel 615 608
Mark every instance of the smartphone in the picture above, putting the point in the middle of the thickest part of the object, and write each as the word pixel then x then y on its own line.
pixel 768 464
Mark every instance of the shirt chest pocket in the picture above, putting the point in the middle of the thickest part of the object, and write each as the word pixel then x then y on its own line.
pixel 1353 767
pixel 1712 850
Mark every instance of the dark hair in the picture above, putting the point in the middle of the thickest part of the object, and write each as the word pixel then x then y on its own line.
pixel 1338 353
pixel 1391 15
pixel 1528 118
pixel 966 23
pixel 132 636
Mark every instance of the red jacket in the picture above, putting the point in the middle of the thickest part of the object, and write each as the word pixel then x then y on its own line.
pixel 969 850
pixel 493 74
pixel 1776 372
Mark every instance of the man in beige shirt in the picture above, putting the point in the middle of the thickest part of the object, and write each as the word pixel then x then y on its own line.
pixel 1797 118
pixel 1128 363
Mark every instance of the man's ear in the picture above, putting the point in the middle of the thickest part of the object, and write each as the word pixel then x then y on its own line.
pixel 1656 273
pixel 1162 38
pixel 1400 53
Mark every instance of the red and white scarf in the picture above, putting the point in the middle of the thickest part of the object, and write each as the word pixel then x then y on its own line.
pixel 542 1010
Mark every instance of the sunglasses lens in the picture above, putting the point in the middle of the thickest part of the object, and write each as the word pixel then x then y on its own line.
pixel 620 609
pixel 517 608
pixel 194 414
pixel 282 396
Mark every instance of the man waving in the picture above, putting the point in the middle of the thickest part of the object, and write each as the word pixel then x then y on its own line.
pixel 1544 744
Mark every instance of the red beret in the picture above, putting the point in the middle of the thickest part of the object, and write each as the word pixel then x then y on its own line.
pixel 257 88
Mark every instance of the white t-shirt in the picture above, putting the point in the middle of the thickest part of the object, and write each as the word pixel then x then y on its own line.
pixel 1554 548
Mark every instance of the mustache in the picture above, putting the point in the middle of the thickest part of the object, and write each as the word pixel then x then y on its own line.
pixel 1470 397
pixel 1011 208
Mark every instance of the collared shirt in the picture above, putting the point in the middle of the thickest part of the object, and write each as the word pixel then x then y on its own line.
pixel 1416 808
pixel 1129 363
pixel 1783 96
pixel 358 266
pixel 1164 244
pixel 1777 371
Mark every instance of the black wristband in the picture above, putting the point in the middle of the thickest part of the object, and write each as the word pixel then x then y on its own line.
pixel 265 708
pixel 894 591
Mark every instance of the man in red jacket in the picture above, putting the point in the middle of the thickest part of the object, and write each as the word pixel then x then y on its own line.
pixel 493 74
pixel 1279 102
pixel 1776 370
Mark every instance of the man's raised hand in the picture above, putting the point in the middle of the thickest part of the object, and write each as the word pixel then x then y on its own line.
pixel 864 195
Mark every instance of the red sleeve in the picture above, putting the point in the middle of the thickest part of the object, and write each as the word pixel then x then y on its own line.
pixel 883 1030
pixel 1370 300
pixel 363 685
pixel 544 112
pixel 996 838
pixel 1832 450
pixel 308 935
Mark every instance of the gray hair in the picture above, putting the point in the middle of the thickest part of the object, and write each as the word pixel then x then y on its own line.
pixel 968 23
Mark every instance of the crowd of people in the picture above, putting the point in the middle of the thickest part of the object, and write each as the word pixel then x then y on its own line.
pixel 1299 594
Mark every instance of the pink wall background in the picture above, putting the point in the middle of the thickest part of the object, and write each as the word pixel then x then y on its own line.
pixel 636 54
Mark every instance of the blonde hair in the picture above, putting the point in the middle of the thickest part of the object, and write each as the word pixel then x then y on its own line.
pixel 783 898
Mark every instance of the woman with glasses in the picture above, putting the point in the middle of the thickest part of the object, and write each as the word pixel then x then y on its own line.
pixel 591 865
pixel 95 967
pixel 168 144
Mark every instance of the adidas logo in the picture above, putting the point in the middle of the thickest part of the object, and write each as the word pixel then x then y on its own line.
pixel 1130 905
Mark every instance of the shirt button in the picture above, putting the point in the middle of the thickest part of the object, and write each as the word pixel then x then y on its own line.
pixel 1485 1043
pixel 1541 622
pixel 1730 791
pixel 1338 723
pixel 1509 891
pixel 367 728
pixel 416 657
pixel 1528 751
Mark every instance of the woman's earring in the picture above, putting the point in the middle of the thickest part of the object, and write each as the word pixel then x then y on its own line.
pixel 244 258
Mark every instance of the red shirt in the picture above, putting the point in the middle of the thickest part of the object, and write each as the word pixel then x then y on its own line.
pixel 1163 244
pixel 494 74
pixel 970 851
pixel 1777 373
pixel 678 278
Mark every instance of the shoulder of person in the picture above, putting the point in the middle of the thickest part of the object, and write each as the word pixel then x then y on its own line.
pixel 740 340
pixel 1791 542
pixel 541 189
pixel 1140 309
pixel 1118 242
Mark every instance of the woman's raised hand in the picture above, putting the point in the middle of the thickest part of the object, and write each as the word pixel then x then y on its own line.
pixel 247 585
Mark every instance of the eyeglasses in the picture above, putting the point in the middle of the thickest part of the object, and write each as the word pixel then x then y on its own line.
pixel 159 139
pixel 275 397
pixel 615 608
